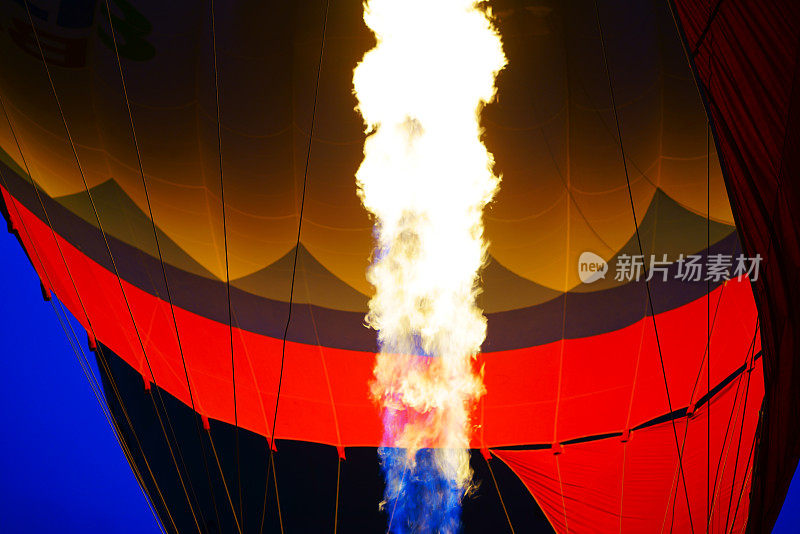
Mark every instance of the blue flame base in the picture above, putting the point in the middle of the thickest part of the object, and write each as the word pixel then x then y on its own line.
pixel 419 498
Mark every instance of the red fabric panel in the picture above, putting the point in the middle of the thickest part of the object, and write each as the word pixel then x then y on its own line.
pixel 306 405
pixel 614 381
pixel 554 392
pixel 746 58
pixel 613 486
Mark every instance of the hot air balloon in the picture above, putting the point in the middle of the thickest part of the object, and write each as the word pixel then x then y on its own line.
pixel 181 177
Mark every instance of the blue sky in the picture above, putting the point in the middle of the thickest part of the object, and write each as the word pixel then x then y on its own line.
pixel 61 468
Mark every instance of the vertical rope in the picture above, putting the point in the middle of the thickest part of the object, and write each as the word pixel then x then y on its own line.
pixel 227 267
pixel 77 350
pixel 336 510
pixel 708 318
pixel 158 248
pixel 567 185
pixel 500 495
pixel 294 268
pixel 91 329
pixel 726 450
pixel 80 356
pixel 639 241
pixel 739 443
pixel 744 484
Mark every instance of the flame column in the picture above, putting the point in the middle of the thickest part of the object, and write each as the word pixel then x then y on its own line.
pixel 426 178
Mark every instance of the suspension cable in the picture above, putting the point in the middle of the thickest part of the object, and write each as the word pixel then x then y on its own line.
pixel 294 268
pixel 500 495
pixel 107 245
pixel 77 350
pixel 164 272
pixel 639 242
pixel 227 265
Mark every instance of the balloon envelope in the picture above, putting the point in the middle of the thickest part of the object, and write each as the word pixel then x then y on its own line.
pixel 593 385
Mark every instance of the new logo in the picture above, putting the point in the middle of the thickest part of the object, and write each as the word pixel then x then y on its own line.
pixel 591 267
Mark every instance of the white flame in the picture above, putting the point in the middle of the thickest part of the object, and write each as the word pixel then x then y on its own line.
pixel 426 178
